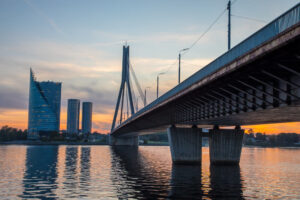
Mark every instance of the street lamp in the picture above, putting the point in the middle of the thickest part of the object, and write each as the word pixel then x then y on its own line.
pixel 179 61
pixel 145 100
pixel 157 82
pixel 229 24
pixel 137 103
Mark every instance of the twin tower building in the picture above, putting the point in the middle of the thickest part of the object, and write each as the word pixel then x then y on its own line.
pixel 44 110
pixel 73 117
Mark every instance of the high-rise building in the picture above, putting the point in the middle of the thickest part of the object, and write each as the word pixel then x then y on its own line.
pixel 44 107
pixel 73 116
pixel 86 121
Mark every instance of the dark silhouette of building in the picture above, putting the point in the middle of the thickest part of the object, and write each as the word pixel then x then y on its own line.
pixel 73 116
pixel 86 117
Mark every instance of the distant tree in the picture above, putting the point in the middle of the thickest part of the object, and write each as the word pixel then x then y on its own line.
pixel 8 134
pixel 48 135
pixel 287 139
pixel 158 137
pixel 272 140
pixel 260 136
pixel 249 131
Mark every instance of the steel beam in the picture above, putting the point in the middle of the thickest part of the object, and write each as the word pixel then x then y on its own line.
pixel 278 78
pixel 288 69
pixel 249 93
pixel 260 91
pixel 280 90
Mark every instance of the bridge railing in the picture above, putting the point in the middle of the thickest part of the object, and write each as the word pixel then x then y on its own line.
pixel 271 30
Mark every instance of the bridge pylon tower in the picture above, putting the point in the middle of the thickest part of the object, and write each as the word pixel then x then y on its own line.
pixel 125 87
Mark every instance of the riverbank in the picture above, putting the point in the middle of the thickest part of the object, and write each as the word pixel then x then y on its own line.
pixel 29 142
pixel 269 146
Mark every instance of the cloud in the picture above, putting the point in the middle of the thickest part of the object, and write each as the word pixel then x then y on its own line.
pixel 102 126
pixel 86 72
pixel 81 67
pixel 157 37
pixel 44 16
pixel 147 70
pixel 65 63
pixel 103 100
pixel 11 95
pixel 10 98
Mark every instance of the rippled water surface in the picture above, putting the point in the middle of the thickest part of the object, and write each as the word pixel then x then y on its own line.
pixel 102 172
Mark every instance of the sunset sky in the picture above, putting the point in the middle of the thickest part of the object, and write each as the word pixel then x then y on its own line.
pixel 79 43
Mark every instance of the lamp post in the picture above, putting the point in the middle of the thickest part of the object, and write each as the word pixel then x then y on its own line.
pixel 157 83
pixel 179 62
pixel 145 100
pixel 229 24
pixel 137 104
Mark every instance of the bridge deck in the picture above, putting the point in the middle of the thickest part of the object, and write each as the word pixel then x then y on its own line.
pixel 279 32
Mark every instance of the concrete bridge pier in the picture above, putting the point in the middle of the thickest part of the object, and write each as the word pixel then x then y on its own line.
pixel 225 145
pixel 123 141
pixel 185 145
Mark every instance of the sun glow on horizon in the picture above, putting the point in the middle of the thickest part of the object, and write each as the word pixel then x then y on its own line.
pixel 17 118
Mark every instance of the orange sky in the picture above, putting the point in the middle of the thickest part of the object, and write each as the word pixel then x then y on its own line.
pixel 291 127
pixel 18 118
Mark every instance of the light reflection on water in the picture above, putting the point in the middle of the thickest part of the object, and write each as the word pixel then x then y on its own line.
pixel 103 172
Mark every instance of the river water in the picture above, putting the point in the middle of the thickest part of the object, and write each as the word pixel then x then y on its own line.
pixel 103 172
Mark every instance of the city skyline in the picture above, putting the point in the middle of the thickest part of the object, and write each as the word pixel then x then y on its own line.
pixel 88 60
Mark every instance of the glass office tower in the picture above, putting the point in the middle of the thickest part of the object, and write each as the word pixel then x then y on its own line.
pixel 86 121
pixel 44 107
pixel 73 116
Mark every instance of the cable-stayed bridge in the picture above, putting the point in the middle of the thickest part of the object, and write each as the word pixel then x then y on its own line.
pixel 255 82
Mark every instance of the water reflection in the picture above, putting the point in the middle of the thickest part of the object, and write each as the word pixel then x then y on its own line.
pixel 124 166
pixel 132 176
pixel 186 182
pixel 70 173
pixel 85 165
pixel 225 182
pixel 102 172
pixel 137 173
pixel 41 172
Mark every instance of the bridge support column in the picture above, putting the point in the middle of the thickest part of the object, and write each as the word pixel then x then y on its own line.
pixel 123 141
pixel 225 145
pixel 185 145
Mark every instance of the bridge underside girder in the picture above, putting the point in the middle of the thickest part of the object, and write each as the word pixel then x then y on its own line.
pixel 262 87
